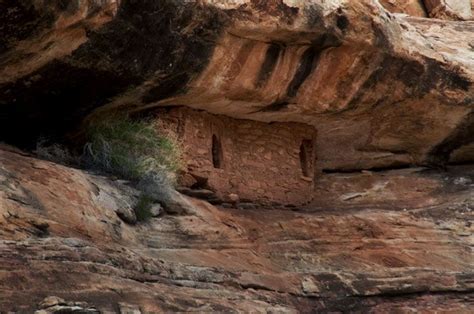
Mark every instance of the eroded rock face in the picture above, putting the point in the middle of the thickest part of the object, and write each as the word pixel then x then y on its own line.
pixel 381 89
pixel 60 249
pixel 105 61
pixel 410 7
pixel 439 9
pixel 339 91
pixel 449 9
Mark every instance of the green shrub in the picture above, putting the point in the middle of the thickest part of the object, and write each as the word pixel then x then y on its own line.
pixel 143 208
pixel 130 149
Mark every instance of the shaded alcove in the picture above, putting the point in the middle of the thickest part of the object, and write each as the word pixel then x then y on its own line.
pixel 141 40
pixel 52 103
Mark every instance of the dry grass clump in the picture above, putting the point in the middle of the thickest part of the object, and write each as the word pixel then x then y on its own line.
pixel 136 150
pixel 130 149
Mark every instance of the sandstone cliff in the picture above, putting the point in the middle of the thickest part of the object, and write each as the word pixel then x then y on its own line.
pixel 60 236
pixel 336 139
pixel 401 86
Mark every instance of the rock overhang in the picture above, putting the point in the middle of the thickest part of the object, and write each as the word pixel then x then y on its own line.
pixel 327 64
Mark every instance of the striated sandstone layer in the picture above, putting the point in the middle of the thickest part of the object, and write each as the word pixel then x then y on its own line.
pixel 60 237
pixel 359 196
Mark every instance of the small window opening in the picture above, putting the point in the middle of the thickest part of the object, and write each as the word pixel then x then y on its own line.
pixel 216 152
pixel 306 157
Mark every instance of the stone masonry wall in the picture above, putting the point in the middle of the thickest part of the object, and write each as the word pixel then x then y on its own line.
pixel 268 162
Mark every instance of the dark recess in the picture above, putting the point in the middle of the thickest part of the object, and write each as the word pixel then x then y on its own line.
pixel 463 135
pixel 374 169
pixel 342 22
pixel 145 38
pixel 276 106
pixel 217 155
pixel 268 66
pixel 306 157
pixel 53 105
pixel 308 63
pixel 20 20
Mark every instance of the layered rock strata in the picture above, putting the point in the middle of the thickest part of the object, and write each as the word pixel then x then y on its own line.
pixel 358 196
pixel 59 238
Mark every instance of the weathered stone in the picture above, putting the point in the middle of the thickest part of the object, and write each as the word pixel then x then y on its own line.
pixel 156 186
pixel 53 304
pixel 51 301
pixel 410 7
pixel 336 256
pixel 187 180
pixel 247 206
pixel 301 99
pixel 126 308
pixel 156 210
pixel 59 309
pixel 449 9
pixel 233 198
pixel 309 287
pixel 112 197
pixel 382 90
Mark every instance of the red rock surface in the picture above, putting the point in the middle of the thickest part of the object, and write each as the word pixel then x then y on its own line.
pixel 377 218
pixel 381 89
pixel 410 7
pixel 59 239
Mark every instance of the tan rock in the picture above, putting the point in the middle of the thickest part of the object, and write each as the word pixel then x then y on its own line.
pixel 450 9
pixel 51 301
pixel 126 308
pixel 223 260
pixel 309 287
pixel 291 100
pixel 233 198
pixel 410 7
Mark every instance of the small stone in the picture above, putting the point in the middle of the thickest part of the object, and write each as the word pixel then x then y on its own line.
pixel 126 308
pixel 462 181
pixel 247 206
pixel 69 309
pixel 309 287
pixel 74 242
pixel 187 180
pixel 51 301
pixel 233 198
pixel 156 210
pixel 351 196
